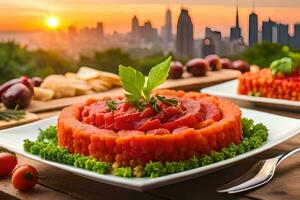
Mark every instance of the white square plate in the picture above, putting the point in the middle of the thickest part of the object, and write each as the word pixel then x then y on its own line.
pixel 229 90
pixel 280 129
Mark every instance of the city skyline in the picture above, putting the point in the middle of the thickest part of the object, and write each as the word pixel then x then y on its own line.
pixel 201 15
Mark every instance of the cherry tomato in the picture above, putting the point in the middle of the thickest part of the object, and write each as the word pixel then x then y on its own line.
pixel 24 177
pixel 8 162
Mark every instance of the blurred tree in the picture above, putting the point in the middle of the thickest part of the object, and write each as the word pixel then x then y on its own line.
pixel 150 61
pixel 16 60
pixel 108 60
pixel 261 54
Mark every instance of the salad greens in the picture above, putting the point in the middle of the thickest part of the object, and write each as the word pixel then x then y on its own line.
pixel 254 135
pixel 288 64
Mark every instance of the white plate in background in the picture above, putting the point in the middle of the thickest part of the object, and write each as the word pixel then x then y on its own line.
pixel 229 90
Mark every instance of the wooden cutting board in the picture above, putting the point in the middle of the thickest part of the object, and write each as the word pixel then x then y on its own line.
pixel 29 117
pixel 190 82
pixel 187 83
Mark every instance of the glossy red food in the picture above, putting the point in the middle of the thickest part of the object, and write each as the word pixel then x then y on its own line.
pixel 24 177
pixel 197 66
pixel 265 84
pixel 241 65
pixel 8 162
pixel 226 63
pixel 176 70
pixel 36 81
pixel 214 62
pixel 17 95
pixel 24 80
pixel 7 85
pixel 27 82
pixel 198 124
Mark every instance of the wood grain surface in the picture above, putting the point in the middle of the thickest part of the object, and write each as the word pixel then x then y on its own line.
pixel 29 117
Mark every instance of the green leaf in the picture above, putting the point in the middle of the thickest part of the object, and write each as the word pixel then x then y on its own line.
pixel 284 65
pixel 157 76
pixel 154 104
pixel 133 82
pixel 171 101
pixel 110 104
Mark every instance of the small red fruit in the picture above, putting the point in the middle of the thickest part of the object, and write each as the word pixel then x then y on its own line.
pixel 197 66
pixel 241 65
pixel 176 70
pixel 8 162
pixel 36 81
pixel 17 95
pixel 226 63
pixel 24 177
pixel 214 62
pixel 27 82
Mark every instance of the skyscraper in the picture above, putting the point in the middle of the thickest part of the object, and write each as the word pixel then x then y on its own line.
pixel 100 32
pixel 283 34
pixel 168 27
pixel 148 33
pixel 184 36
pixel 267 30
pixel 253 29
pixel 235 32
pixel 135 28
pixel 295 40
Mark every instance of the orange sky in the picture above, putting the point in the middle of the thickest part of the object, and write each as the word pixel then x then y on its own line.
pixel 27 15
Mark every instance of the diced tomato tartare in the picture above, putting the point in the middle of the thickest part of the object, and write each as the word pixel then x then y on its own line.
pixel 198 124
pixel 266 85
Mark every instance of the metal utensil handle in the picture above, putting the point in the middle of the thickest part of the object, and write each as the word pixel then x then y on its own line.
pixel 287 154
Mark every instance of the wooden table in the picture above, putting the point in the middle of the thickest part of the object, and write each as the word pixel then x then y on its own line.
pixel 64 185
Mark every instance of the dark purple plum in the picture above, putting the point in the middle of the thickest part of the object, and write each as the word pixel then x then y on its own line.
pixel 176 70
pixel 241 65
pixel 197 66
pixel 7 85
pixel 36 81
pixel 17 95
pixel 27 82
pixel 226 63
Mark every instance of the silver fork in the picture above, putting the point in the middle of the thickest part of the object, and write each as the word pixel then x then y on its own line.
pixel 261 173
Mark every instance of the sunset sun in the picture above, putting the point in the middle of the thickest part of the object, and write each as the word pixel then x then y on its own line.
pixel 52 22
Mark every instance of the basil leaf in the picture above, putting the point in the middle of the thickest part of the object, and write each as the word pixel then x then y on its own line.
pixel 157 76
pixel 133 82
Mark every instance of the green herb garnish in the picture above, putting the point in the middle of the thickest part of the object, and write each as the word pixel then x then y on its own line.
pixel 283 65
pixel 254 94
pixel 154 104
pixel 288 64
pixel 12 114
pixel 170 101
pixel 123 172
pixel 138 88
pixel 48 135
pixel 111 104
